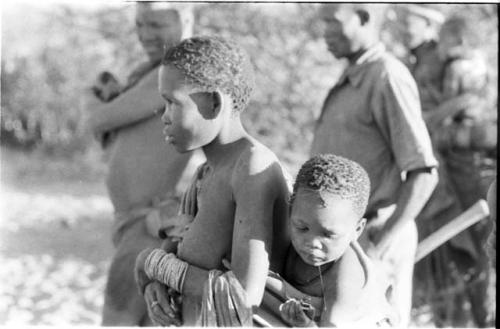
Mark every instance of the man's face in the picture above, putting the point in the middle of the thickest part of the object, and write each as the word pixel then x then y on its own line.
pixel 157 28
pixel 416 28
pixel 342 29
pixel 190 119
pixel 322 226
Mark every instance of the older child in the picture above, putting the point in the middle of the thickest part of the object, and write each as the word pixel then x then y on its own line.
pixel 241 202
pixel 325 260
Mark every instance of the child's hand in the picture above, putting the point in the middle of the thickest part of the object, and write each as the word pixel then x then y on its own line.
pixel 291 311
pixel 163 309
pixel 141 278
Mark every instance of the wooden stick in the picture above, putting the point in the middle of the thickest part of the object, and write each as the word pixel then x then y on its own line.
pixel 474 214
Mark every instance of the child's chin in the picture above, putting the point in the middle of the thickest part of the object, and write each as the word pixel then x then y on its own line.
pixel 315 261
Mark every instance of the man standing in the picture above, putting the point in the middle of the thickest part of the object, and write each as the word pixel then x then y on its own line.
pixel 145 173
pixel 373 116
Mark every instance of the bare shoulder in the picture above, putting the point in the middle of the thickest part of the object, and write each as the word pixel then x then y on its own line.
pixel 257 166
pixel 349 277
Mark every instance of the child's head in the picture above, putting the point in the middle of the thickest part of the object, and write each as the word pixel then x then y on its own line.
pixel 204 81
pixel 457 36
pixel 329 199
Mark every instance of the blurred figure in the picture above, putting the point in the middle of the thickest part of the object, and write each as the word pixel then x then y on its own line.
pixel 464 131
pixel 431 274
pixel 106 88
pixel 145 174
pixel 491 244
pixel 372 116
pixel 423 24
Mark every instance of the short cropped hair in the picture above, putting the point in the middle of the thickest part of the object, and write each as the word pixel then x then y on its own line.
pixel 376 11
pixel 213 63
pixel 337 175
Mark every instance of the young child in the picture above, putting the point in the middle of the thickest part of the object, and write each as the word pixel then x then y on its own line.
pixel 325 263
pixel 241 198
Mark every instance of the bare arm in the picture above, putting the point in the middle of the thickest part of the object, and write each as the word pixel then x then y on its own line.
pixel 136 104
pixel 414 193
pixel 449 108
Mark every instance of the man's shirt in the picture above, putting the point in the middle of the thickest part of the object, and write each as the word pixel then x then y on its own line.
pixel 373 116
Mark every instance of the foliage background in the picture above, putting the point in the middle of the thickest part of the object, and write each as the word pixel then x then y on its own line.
pixel 50 54
pixel 55 215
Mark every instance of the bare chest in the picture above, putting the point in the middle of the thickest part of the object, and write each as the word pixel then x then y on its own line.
pixel 209 237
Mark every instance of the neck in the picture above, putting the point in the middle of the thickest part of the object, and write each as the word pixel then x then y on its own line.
pixel 227 140
pixel 362 49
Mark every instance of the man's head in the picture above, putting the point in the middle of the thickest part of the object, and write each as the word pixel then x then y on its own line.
pixel 329 199
pixel 161 25
pixel 351 28
pixel 422 23
pixel 205 82
pixel 457 36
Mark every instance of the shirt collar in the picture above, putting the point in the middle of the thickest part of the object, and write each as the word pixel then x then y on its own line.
pixel 354 73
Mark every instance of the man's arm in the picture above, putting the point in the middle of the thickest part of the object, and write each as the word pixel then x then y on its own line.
pixel 414 194
pixel 136 104
pixel 397 113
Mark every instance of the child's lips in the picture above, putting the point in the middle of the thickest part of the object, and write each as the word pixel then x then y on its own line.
pixel 311 256
pixel 168 137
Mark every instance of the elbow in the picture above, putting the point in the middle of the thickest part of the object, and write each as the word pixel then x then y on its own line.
pixel 432 179
pixel 254 297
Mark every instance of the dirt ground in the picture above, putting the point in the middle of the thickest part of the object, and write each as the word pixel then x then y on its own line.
pixel 54 247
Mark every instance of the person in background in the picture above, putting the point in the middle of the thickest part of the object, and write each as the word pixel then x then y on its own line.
pixel 423 24
pixel 373 116
pixel 145 175
pixel 464 128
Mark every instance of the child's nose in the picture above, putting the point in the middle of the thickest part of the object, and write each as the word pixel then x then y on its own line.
pixel 314 243
pixel 165 118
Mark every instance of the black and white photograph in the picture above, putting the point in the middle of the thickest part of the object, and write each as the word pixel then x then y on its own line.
pixel 248 163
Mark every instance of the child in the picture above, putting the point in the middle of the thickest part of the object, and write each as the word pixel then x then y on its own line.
pixel 325 260
pixel 241 198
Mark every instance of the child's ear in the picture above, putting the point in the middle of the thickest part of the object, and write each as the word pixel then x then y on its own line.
pixel 217 103
pixel 360 226
pixel 364 16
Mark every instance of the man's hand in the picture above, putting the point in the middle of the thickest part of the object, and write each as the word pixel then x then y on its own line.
pixel 163 309
pixel 291 311
pixel 141 278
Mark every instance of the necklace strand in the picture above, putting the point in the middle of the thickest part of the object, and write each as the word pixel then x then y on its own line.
pixel 322 289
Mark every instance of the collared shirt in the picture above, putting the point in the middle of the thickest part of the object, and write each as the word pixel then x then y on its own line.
pixel 373 116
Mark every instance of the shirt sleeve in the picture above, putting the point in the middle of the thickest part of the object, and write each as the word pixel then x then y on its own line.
pixel 397 112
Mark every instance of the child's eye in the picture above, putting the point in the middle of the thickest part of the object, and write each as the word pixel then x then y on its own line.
pixel 301 228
